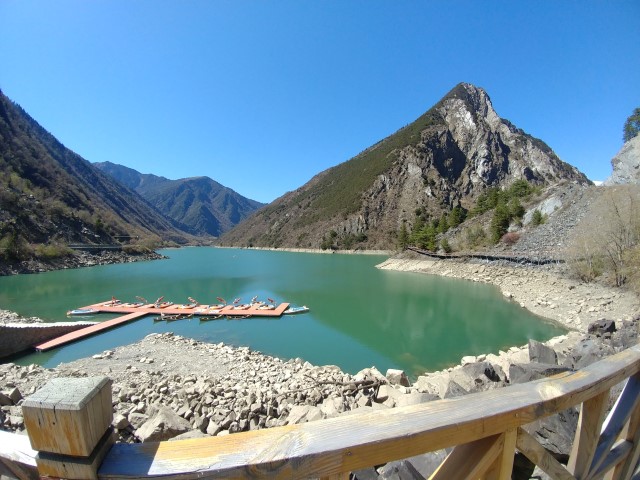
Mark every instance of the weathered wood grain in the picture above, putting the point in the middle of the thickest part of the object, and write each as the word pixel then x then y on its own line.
pixel 631 432
pixel 17 458
pixel 471 460
pixel 69 415
pixel 587 435
pixel 615 422
pixel 541 457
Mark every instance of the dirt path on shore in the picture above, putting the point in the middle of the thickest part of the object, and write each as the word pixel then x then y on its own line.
pixel 541 290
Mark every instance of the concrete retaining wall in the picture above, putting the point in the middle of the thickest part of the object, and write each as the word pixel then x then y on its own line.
pixel 16 337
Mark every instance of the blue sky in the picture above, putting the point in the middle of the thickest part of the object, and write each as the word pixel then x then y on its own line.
pixel 262 95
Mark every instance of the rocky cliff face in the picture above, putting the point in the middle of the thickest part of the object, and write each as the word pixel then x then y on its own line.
pixel 626 164
pixel 447 157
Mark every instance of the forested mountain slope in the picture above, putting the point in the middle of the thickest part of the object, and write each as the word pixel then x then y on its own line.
pixel 51 195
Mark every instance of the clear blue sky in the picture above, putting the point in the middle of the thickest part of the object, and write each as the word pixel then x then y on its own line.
pixel 262 95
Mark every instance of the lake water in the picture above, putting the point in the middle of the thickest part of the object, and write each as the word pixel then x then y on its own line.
pixel 360 316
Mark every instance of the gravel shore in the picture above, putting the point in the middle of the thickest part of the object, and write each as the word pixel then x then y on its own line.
pixel 545 291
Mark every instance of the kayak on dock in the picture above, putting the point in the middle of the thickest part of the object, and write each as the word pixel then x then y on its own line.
pixel 82 311
pixel 294 310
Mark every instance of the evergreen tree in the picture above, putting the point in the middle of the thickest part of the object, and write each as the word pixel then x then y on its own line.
pixel 443 225
pixel 537 218
pixel 632 125
pixel 516 210
pixel 403 236
pixel 415 231
pixel 444 244
pixel 456 216
pixel 499 222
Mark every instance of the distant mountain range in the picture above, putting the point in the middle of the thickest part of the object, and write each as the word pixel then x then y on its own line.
pixel 50 194
pixel 201 205
pixel 446 158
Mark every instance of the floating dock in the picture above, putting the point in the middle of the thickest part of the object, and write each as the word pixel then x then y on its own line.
pixel 133 311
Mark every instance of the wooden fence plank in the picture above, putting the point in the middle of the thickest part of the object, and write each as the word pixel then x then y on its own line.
pixel 541 457
pixel 631 433
pixel 17 458
pixel 587 435
pixel 618 417
pixel 505 460
pixel 619 452
pixel 471 460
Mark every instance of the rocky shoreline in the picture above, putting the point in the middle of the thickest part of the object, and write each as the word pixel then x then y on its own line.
pixel 544 290
pixel 167 386
pixel 76 260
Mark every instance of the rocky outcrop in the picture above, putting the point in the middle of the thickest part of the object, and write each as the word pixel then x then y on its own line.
pixel 626 164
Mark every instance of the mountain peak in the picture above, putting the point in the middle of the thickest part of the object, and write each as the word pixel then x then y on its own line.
pixel 447 157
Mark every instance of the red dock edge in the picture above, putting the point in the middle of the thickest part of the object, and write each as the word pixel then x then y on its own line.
pixel 133 313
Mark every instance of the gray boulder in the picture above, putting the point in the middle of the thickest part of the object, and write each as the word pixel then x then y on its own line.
pixel 526 372
pixel 476 377
pixel 454 390
pixel 602 327
pixel 540 353
pixel 188 435
pixel 555 433
pixel 427 463
pixel 163 425
pixel 397 377
pixel 590 351
pixel 5 400
pixel 400 470
pixel 414 399
pixel 365 474
pixel 303 413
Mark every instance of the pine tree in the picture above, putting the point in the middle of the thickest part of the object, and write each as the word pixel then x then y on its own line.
pixel 632 125
pixel 499 222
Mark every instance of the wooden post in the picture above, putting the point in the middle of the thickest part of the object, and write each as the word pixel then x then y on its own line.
pixel 69 423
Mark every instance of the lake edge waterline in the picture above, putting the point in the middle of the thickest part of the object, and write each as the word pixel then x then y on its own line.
pixel 398 329
pixel 574 305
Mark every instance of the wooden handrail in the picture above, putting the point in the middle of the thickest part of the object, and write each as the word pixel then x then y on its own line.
pixel 484 427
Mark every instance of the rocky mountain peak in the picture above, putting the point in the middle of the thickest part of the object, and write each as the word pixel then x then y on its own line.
pixel 447 157
pixel 474 100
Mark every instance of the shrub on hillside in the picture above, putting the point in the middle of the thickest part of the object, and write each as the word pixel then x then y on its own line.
pixel 475 237
pixel 510 238
pixel 537 218
pixel 52 251
pixel 606 242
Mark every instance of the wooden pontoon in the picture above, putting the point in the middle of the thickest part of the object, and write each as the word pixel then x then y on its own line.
pixel 131 311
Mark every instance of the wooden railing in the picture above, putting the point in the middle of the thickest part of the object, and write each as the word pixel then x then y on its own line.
pixel 485 429
pixel 489 257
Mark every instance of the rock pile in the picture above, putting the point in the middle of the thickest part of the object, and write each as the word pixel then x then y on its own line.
pixel 174 387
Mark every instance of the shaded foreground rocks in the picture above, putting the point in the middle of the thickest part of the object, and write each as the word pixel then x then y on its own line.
pixel 171 387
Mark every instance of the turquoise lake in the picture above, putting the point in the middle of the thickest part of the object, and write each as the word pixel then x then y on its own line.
pixel 360 316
